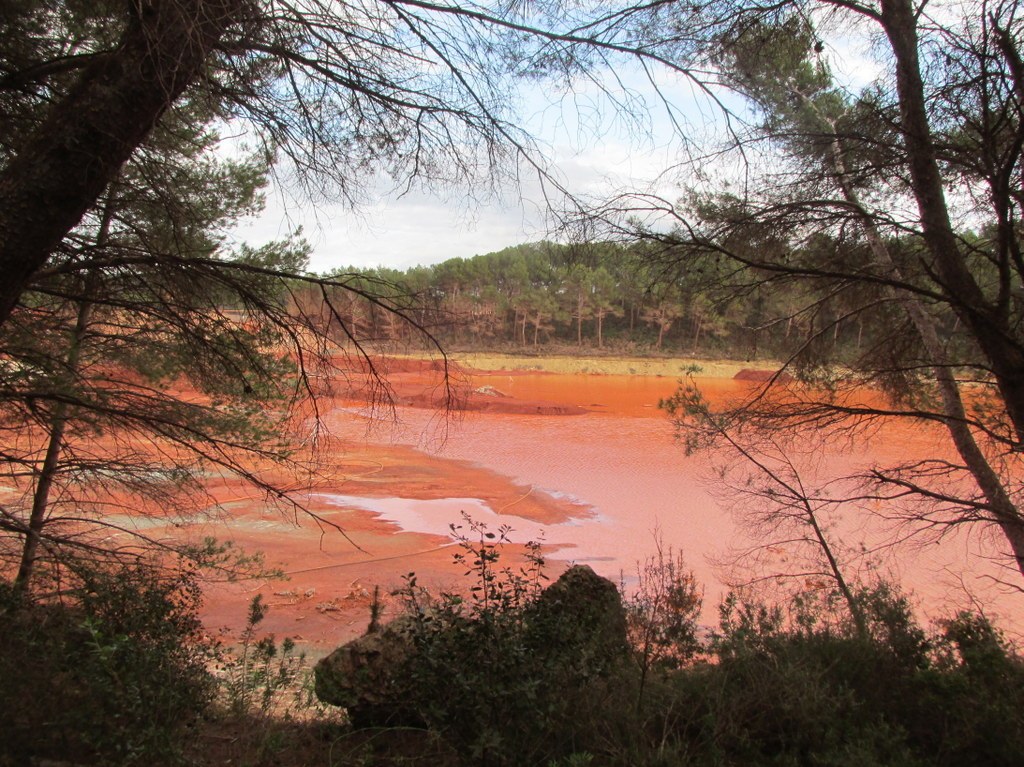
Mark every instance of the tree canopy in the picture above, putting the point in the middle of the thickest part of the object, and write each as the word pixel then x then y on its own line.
pixel 114 188
pixel 894 206
pixel 419 92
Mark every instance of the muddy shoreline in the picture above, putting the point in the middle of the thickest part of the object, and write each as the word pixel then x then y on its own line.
pixel 588 459
pixel 332 573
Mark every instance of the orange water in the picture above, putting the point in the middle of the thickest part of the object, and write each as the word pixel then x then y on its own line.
pixel 632 482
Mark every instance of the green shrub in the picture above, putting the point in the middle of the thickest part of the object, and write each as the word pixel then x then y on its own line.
pixel 799 685
pixel 499 677
pixel 500 674
pixel 966 707
pixel 260 675
pixel 662 613
pixel 111 672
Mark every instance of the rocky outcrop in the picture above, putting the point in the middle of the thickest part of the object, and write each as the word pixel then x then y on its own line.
pixel 574 630
pixel 580 616
pixel 364 676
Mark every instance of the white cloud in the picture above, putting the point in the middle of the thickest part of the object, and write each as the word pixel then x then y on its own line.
pixel 593 151
pixel 397 233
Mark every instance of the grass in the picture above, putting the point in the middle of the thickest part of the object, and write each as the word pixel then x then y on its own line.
pixel 602 365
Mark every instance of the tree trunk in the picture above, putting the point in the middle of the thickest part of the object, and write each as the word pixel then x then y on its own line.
pixel 40 502
pixel 579 321
pixel 986 321
pixel 954 415
pixel 72 156
pixel 48 471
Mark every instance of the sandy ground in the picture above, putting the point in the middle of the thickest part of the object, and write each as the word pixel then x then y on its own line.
pixel 606 365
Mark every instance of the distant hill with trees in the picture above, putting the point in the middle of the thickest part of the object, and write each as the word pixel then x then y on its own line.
pixel 604 295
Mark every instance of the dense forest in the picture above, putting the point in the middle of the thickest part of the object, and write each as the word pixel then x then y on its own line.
pixel 605 295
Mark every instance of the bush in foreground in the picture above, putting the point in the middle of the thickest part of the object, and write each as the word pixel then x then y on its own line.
pixel 110 672
pixel 776 684
pixel 115 670
pixel 502 675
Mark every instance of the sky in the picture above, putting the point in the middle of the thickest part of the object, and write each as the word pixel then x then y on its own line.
pixel 419 228
pixel 589 149
pixel 400 233
pixel 589 146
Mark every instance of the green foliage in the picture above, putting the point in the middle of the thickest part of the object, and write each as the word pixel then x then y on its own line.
pixel 788 689
pixel 795 685
pixel 519 681
pixel 113 672
pixel 260 675
pixel 137 314
pixel 966 702
pixel 776 684
pixel 662 613
pixel 593 295
pixel 581 759
pixel 266 698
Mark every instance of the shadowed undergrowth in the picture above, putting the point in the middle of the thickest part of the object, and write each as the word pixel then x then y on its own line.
pixel 119 673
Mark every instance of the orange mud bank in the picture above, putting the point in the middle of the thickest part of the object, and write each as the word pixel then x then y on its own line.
pixel 440 386
pixel 390 488
pixel 586 463
pixel 342 545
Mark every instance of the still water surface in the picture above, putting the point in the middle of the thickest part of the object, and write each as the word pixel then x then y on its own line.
pixel 631 481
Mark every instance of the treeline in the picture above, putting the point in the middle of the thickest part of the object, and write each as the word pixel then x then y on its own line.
pixel 593 296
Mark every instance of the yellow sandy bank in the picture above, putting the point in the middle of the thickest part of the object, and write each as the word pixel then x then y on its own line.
pixel 641 366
